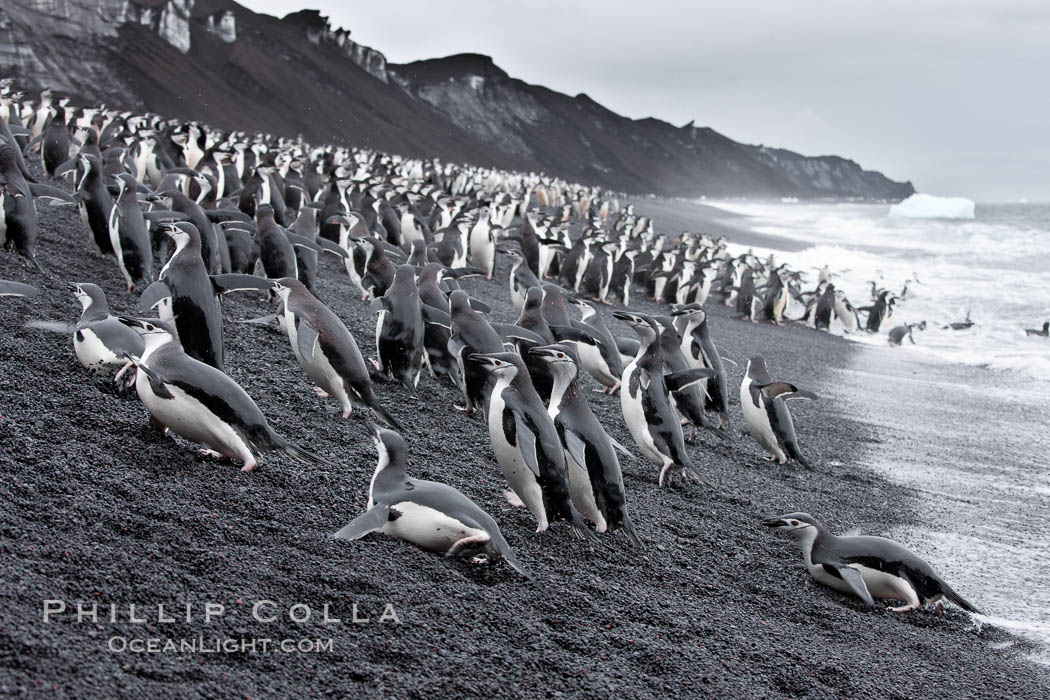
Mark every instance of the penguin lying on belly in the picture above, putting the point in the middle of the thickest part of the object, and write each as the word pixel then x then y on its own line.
pixel 867 567
pixel 430 515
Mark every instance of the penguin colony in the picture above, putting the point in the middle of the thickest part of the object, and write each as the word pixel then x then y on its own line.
pixel 190 213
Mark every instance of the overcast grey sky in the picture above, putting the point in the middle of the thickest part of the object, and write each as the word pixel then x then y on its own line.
pixel 950 94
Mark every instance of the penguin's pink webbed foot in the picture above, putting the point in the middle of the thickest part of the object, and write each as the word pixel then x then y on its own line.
pixel 904 608
pixel 211 453
pixel 513 499
pixel 321 393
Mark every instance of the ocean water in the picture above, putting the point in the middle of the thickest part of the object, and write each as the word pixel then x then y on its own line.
pixel 995 267
pixel 963 415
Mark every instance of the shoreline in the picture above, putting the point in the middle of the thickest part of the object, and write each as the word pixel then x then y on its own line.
pixel 98 507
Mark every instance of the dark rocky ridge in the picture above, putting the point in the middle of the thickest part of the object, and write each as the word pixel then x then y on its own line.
pixel 216 61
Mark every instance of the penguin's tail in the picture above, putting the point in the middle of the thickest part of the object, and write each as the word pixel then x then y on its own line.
pixel 627 527
pixel 958 599
pixel 382 414
pixel 297 453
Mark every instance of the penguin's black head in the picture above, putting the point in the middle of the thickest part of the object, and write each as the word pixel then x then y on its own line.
pixel 641 323
pixel 792 522
pixel 756 365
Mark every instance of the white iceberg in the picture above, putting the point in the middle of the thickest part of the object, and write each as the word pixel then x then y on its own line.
pixel 928 206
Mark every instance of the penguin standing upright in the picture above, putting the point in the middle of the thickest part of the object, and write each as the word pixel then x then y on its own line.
pixel 471 334
pixel 646 404
pixel 590 454
pixel 399 329
pixel 200 403
pixel 526 444
pixel 767 416
pixel 129 235
pixel 700 350
pixel 327 350
pixel 189 297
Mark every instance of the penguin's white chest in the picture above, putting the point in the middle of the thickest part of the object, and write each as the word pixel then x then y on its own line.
pixel 428 528
pixel 318 368
pixel 592 360
pixel 634 416
pixel 518 474
pixel 758 422
pixel 92 352
pixel 188 417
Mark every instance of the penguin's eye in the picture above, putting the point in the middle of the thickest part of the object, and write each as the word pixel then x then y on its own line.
pixel 149 327
pixel 561 356
pixel 795 523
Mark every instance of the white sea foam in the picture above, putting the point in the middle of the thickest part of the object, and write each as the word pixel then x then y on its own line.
pixel 928 206
pixel 993 268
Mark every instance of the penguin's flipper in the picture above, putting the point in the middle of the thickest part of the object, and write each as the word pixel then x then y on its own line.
pixel 261 320
pixel 526 441
pixel 507 553
pixel 619 445
pixel 676 381
pixel 785 391
pixel 853 579
pixel 435 316
pixel 576 447
pixel 307 339
pixel 331 247
pixel 478 305
pixel 17 289
pixel 154 294
pixel 510 332
pixel 219 216
pixel 371 520
pixel 236 282
pixel 51 326
pixel 568 334
pixel 157 215
pixel 302 242
pixel 51 193
pixel 155 382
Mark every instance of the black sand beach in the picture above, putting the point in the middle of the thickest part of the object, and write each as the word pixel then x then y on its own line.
pixel 95 506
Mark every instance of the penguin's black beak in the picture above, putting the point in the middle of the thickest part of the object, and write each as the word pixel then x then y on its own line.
pixel 774 522
pixel 624 316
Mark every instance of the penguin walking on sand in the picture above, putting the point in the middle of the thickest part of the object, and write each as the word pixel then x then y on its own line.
pixel 201 403
pixel 526 444
pixel 400 329
pixel 590 454
pixel 190 298
pixel 471 334
pixel 602 360
pixel 763 403
pixel 700 351
pixel 867 567
pixel 646 403
pixel 431 515
pixel 129 234
pixel 327 350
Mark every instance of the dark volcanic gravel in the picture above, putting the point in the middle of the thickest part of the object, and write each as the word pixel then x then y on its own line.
pixel 96 507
